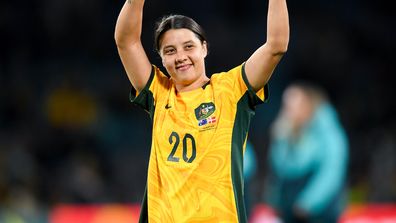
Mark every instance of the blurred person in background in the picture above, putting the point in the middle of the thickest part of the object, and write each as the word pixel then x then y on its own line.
pixel 249 172
pixel 308 157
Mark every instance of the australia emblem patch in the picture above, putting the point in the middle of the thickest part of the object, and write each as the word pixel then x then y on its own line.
pixel 203 113
pixel 204 110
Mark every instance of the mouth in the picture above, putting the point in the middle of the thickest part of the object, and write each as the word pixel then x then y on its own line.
pixel 183 67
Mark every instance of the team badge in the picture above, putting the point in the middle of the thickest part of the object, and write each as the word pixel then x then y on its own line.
pixel 203 114
pixel 204 110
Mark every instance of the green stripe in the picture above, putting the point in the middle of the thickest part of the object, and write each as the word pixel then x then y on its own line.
pixel 245 111
pixel 145 99
pixel 143 218
pixel 239 134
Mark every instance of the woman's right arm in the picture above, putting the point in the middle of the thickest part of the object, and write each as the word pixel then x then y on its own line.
pixel 127 37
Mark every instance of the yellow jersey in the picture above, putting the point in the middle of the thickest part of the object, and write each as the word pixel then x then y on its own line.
pixel 195 169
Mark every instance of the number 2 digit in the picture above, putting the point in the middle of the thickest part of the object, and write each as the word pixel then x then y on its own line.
pixel 171 156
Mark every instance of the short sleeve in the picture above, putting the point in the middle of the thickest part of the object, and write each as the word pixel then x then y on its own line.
pixel 255 98
pixel 236 85
pixel 158 82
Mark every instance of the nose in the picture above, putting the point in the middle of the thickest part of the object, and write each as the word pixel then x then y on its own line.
pixel 181 57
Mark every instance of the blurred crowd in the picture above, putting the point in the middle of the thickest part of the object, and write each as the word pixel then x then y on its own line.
pixel 68 133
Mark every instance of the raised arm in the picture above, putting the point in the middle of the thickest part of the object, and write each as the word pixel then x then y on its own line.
pixel 127 36
pixel 261 64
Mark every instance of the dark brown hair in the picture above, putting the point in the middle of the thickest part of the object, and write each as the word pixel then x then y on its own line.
pixel 177 22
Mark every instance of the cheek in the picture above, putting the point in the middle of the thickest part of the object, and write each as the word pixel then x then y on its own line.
pixel 167 63
pixel 198 59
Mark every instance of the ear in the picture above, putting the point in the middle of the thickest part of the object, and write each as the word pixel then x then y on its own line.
pixel 160 55
pixel 205 48
pixel 162 59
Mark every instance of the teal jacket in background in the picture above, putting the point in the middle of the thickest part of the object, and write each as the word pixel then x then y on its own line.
pixel 310 172
pixel 249 172
pixel 249 162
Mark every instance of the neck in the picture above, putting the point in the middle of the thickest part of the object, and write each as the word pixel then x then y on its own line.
pixel 192 86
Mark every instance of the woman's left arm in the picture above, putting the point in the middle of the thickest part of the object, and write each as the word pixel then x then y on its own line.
pixel 262 62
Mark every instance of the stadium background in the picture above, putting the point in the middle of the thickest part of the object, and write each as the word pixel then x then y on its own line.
pixel 68 134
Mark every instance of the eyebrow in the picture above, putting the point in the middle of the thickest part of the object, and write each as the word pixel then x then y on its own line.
pixel 187 42
pixel 190 41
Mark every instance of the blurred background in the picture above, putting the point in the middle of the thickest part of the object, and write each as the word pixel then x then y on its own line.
pixel 69 135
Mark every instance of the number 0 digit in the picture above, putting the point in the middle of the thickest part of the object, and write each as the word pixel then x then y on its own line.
pixel 193 148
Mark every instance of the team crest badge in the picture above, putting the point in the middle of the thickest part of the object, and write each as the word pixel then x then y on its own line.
pixel 204 110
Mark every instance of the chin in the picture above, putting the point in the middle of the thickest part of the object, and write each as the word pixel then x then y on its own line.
pixel 184 77
pixel 186 82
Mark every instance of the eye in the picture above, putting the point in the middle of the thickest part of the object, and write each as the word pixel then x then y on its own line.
pixel 169 51
pixel 189 46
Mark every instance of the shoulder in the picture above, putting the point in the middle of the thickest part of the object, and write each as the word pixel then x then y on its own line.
pixel 229 75
pixel 158 78
pixel 157 72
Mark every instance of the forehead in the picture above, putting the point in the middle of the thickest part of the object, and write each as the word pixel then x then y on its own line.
pixel 177 36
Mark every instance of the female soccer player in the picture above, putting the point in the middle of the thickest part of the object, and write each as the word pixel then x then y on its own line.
pixel 200 125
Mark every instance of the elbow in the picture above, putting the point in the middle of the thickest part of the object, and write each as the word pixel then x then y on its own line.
pixel 279 43
pixel 125 41
pixel 279 47
pixel 119 40
pixel 281 50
